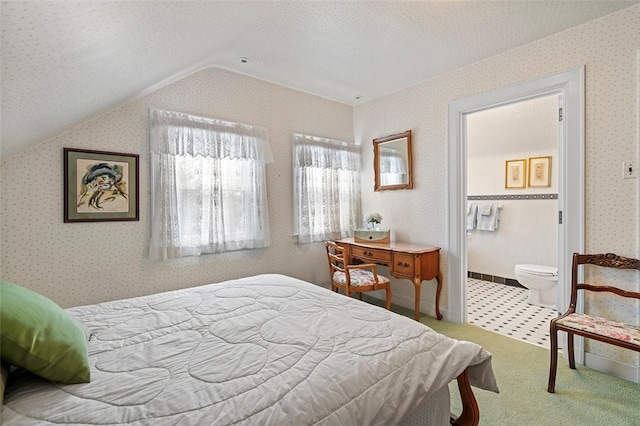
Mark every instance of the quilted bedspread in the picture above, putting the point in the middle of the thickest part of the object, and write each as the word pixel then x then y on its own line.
pixel 267 350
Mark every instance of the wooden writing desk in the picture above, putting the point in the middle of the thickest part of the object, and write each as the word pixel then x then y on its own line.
pixel 410 261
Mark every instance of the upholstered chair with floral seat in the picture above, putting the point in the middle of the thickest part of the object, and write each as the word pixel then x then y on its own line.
pixel 359 278
pixel 617 332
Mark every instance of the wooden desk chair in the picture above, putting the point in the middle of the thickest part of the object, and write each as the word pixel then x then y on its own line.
pixel 602 329
pixel 354 278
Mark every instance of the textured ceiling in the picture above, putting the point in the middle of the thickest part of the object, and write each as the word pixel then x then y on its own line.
pixel 64 62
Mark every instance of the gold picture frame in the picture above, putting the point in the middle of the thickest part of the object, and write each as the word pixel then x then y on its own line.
pixel 392 162
pixel 539 172
pixel 515 174
pixel 100 186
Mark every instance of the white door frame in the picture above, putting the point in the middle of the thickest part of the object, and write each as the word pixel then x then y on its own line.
pixel 570 85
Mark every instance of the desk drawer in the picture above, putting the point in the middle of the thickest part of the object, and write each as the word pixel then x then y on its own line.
pixel 403 264
pixel 369 253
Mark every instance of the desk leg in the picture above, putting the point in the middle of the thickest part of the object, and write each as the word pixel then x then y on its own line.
pixel 417 282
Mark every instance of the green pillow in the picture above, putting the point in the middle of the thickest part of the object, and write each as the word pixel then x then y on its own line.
pixel 41 337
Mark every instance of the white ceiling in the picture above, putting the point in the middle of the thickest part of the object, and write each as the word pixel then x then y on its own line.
pixel 63 62
pixel 527 126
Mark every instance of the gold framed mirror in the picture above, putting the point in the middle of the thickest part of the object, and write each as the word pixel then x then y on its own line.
pixel 392 162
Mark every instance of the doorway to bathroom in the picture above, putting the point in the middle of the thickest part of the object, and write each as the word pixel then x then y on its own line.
pixel 568 89
pixel 512 207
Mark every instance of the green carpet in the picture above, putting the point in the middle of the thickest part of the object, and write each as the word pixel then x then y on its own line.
pixel 583 396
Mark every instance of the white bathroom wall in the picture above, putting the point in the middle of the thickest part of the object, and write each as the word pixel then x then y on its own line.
pixel 527 231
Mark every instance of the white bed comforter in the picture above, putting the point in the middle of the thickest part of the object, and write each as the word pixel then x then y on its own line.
pixel 267 350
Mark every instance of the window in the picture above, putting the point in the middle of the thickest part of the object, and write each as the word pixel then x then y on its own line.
pixel 326 188
pixel 208 186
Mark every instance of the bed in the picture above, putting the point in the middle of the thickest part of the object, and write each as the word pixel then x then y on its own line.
pixel 262 350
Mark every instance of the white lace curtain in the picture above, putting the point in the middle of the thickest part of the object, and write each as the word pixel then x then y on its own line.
pixel 208 185
pixel 326 188
pixel 393 169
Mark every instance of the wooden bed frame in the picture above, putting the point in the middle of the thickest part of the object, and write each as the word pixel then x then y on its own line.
pixel 470 415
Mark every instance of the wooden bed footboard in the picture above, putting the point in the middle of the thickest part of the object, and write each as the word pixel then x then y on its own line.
pixel 470 415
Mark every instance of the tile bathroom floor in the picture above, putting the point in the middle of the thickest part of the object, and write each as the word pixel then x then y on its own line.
pixel 504 309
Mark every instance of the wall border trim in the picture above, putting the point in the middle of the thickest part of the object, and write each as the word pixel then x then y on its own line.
pixel 514 197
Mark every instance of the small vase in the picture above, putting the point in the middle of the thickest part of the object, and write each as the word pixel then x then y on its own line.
pixel 373 226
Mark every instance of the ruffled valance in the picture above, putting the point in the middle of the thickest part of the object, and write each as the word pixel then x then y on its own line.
pixel 177 133
pixel 312 151
pixel 391 162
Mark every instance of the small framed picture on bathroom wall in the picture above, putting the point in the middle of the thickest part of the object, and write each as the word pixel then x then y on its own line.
pixel 515 175
pixel 540 171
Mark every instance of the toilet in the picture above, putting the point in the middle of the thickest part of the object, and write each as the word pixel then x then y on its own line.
pixel 542 283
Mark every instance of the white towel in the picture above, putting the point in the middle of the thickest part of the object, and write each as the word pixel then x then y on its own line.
pixel 471 216
pixel 488 222
pixel 485 209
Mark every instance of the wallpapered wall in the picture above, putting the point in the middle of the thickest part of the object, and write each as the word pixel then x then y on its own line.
pixel 608 47
pixel 83 263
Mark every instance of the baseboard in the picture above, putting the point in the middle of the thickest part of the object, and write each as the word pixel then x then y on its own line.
pixel 494 278
pixel 409 303
pixel 400 300
pixel 405 301
pixel 612 367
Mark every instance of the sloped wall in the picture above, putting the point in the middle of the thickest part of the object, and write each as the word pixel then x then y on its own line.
pixel 83 263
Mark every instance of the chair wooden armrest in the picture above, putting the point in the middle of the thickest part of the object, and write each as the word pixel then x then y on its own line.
pixel 371 266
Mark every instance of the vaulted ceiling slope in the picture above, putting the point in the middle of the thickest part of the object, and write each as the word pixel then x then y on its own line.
pixel 64 62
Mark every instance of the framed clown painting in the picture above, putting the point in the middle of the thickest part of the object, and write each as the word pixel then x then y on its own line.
pixel 100 186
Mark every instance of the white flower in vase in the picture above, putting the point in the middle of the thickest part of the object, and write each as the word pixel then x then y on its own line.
pixel 373 220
